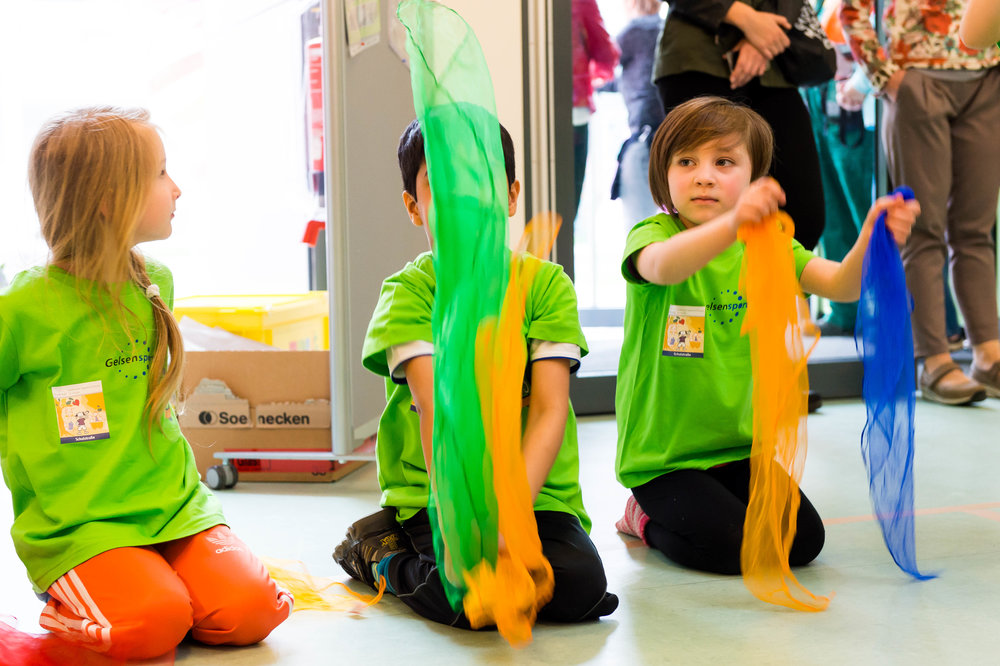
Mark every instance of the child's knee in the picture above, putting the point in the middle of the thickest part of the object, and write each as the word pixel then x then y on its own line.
pixel 246 618
pixel 579 587
pixel 151 628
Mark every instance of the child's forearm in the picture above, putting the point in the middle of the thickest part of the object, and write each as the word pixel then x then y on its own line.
pixel 847 286
pixel 543 437
pixel 427 435
pixel 837 281
pixel 420 379
pixel 545 429
pixel 679 257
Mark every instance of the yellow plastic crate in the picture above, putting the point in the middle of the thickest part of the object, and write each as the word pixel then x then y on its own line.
pixel 294 322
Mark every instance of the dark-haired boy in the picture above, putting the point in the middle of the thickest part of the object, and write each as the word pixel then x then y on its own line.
pixel 396 543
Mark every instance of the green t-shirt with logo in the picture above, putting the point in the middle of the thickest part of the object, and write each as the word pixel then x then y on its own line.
pixel 684 380
pixel 403 315
pixel 83 476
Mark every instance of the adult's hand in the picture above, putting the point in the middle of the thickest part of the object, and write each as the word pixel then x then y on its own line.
pixel 750 63
pixel 766 31
pixel 892 87
pixel 849 98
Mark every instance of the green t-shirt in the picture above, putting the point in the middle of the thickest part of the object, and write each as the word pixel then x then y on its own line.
pixel 684 381
pixel 403 315
pixel 83 477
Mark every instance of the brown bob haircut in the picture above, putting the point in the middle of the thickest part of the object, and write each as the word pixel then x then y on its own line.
pixel 699 121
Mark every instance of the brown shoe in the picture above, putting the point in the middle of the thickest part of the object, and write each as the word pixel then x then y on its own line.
pixel 990 379
pixel 963 393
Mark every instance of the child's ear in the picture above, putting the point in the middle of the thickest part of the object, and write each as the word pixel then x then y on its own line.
pixel 410 204
pixel 512 194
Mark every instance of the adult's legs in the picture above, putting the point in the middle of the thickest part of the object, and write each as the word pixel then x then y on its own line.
pixel 581 138
pixel 696 518
pixel 972 214
pixel 635 196
pixel 846 166
pixel 796 163
pixel 917 140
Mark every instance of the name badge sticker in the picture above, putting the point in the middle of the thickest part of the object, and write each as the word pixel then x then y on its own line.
pixel 81 412
pixel 685 331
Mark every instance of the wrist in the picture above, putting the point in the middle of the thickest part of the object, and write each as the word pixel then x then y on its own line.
pixel 739 13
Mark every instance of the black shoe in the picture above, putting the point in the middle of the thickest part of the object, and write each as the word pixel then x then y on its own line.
pixel 815 401
pixel 605 606
pixel 368 542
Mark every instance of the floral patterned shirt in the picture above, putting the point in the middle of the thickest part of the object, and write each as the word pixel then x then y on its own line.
pixel 921 33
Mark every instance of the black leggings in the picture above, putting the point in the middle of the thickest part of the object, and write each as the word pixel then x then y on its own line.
pixel 796 160
pixel 580 592
pixel 696 518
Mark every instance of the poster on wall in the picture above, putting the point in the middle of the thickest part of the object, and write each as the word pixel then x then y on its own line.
pixel 397 33
pixel 364 23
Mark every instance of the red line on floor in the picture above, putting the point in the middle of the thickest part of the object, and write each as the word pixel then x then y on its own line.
pixel 975 509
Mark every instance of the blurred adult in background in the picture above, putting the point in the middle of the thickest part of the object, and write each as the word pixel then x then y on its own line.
pixel 594 59
pixel 637 43
pixel 940 132
pixel 843 123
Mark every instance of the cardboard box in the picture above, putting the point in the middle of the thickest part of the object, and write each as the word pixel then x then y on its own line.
pixel 261 401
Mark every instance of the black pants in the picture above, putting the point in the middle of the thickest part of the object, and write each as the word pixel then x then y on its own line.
pixel 580 583
pixel 796 161
pixel 696 518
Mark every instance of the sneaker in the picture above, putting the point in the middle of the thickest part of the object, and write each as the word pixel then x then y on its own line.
pixel 368 542
pixel 990 379
pixel 634 521
pixel 961 392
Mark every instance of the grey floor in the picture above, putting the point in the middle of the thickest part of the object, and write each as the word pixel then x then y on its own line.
pixel 670 615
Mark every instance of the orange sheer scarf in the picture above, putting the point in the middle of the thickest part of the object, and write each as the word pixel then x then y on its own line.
pixel 774 321
pixel 511 595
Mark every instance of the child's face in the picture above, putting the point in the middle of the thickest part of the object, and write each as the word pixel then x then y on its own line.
pixel 707 180
pixel 419 209
pixel 154 223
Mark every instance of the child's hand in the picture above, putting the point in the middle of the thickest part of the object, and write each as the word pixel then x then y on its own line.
pixel 760 200
pixel 899 215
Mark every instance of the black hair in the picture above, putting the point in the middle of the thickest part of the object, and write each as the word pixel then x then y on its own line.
pixel 411 155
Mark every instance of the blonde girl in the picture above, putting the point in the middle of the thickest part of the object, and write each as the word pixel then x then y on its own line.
pixel 118 535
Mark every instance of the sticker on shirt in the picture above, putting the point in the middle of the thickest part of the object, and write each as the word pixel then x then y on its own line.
pixel 685 334
pixel 81 413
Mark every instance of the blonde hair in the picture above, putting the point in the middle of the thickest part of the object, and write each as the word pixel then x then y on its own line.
pixel 90 173
pixel 699 121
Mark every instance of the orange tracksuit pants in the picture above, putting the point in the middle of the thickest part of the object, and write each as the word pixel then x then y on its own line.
pixel 137 603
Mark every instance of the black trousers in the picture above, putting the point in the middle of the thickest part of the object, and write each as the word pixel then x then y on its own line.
pixel 696 518
pixel 796 160
pixel 580 583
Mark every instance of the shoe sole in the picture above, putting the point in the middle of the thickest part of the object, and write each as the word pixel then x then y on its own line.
pixel 931 396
